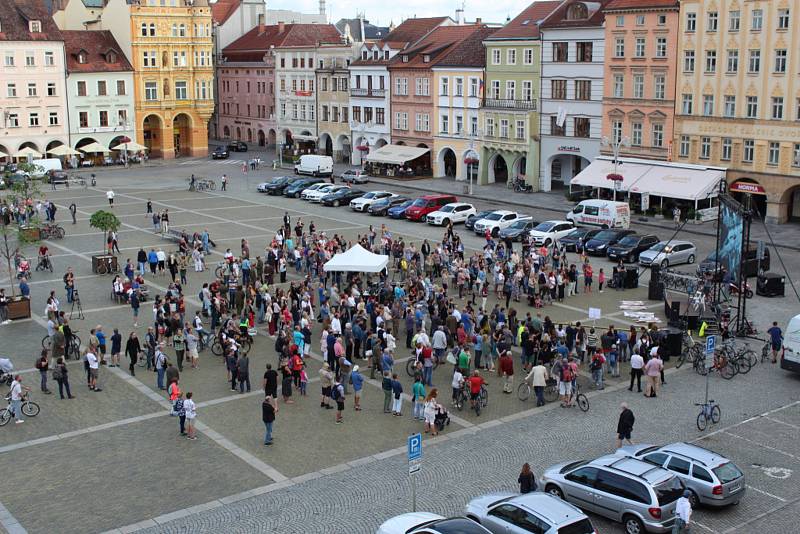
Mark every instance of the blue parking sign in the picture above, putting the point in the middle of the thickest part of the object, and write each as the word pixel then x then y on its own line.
pixel 711 344
pixel 414 447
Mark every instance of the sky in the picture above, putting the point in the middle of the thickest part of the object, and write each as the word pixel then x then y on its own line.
pixel 382 12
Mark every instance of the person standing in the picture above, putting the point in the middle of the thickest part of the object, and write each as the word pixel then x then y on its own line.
pixel 161 365
pixel 60 375
pixel 526 479
pixel 683 513
pixel 110 196
pixel 326 382
pixel 357 379
pixel 429 412
pixel 116 348
pixel 268 410
pixel 93 368
pixel 191 416
pixel 17 393
pixel 270 383
pixel 338 395
pixel 637 363
pixel 386 386
pixel 538 377
pixel 178 410
pixel 132 349
pixel 179 344
pixel 397 393
pixel 776 340
pixel 653 369
pixel 625 425
pixel 243 371
pixel 418 398
pixel 224 183
pixel 506 367
pixel 43 365
pixel 72 211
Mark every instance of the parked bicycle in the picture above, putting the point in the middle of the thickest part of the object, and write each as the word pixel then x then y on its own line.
pixel 74 343
pixel 28 407
pixel 412 363
pixel 710 412
pixel 106 266
pixel 51 231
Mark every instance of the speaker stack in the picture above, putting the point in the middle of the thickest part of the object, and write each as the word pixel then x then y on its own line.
pixel 771 285
pixel 631 278
pixel 655 291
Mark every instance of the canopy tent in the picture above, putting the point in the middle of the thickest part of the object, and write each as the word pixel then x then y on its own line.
pixel 596 174
pixel 357 259
pixel 396 154
pixel 130 146
pixel 93 148
pixel 684 182
pixel 29 153
pixel 63 150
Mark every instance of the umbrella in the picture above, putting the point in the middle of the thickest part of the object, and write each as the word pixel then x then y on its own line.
pixel 93 147
pixel 3 154
pixel 29 153
pixel 63 150
pixel 131 146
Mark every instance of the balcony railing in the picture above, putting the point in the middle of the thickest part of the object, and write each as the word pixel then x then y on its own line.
pixel 363 92
pixel 502 103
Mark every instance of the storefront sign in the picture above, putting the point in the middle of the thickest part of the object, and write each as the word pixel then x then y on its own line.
pixel 302 93
pixel 747 187
pixel 566 148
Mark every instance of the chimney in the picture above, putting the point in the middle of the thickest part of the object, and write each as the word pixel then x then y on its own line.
pixel 281 27
pixel 261 26
pixel 478 21
pixel 459 16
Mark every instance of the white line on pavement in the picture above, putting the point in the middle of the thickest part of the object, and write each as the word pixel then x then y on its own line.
pixel 9 522
pixel 762 444
pixel 766 493
pixel 782 422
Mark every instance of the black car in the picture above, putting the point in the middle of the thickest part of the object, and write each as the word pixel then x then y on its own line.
pixel 598 245
pixel 278 185
pixel 297 186
pixel 575 240
pixel 342 197
pixel 237 146
pixel 469 224
pixel 220 153
pixel 629 247
pixel 382 206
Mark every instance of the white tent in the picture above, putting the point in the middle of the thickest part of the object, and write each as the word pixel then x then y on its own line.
pixel 357 259
pixel 396 154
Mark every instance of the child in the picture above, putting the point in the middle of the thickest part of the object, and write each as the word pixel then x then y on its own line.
pixel 303 381
pixel 613 360
pixel 601 278
pixel 190 410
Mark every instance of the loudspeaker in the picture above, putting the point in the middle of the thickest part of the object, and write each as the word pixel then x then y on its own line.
pixel 655 273
pixel 672 343
pixel 655 291
pixel 631 278
pixel 771 285
pixel 675 311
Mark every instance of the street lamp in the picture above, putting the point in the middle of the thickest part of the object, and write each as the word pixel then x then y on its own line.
pixel 472 156
pixel 616 145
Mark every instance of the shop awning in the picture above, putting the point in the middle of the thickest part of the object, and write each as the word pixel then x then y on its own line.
pixel 681 182
pixel 301 137
pixel 93 148
pixel 396 154
pixel 595 175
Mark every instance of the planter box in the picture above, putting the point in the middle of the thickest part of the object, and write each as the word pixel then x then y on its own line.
pixel 19 308
pixel 30 233
pixel 103 258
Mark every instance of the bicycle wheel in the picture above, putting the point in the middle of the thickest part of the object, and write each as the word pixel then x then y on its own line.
pixel 410 364
pixel 524 391
pixel 730 370
pixel 681 360
pixel 30 408
pixel 216 348
pixel 246 345
pixel 751 357
pixel 218 272
pixel 46 342
pixel 141 359
pixel 702 421
pixel 102 268
pixel 743 363
pixel 5 416
pixel 551 393
pixel 477 407
pixel 716 413
pixel 459 402
pixel 765 352
pixel 484 396
pixel 583 402
pixel 59 232
pixel 700 366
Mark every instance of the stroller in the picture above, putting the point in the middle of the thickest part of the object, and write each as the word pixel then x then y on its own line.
pixel 442 418
pixel 24 269
pixel 6 371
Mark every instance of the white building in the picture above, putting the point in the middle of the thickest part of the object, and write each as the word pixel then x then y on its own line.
pixel 572 90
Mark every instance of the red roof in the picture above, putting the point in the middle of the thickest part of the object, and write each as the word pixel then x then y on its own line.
pixel 99 46
pixel 14 18
pixel 223 9
pixel 469 52
pixel 437 45
pixel 559 17
pixel 411 30
pixel 526 24
pixel 642 4
pixel 252 45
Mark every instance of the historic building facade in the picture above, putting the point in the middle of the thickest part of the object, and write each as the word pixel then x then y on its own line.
pixel 333 100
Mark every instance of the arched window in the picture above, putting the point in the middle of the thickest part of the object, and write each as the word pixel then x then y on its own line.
pixel 577 11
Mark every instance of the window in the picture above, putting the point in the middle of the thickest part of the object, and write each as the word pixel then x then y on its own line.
pixel 734 21
pixel 777 107
pixel 148 59
pixel 780 61
pixel 727 148
pixel 12 90
pixel 426 123
pixel 640 47
pixel 733 61
pixel 757 21
pixel 558 89
pixel 52 118
pixel 519 519
pixel 774 157
pixel 659 87
pixel 459 87
pixel 560 52
pixel 9 61
pixel 691 22
pixel 104 118
pixel 684 146
pixel 490 127
pixel 30 59
pixel 511 90
pixel 511 56
pixel 661 47
pixel 658 135
pixel 444 84
pixel 582 126
pixel 473 126
pixel 619 47
pixel 31 89
pixel 356 113
pixel 527 56
pixel 520 130
pixel 81 88
pixel 527 90
pixel 504 128
pixel 459 125
pixel 444 124
pixel 636 134
pixel 620 21
pixel 713 21
pixel 33 119
pixel 688 61
pixel 555 129
pixel 180 91
pixel 705 153
pixel 783 19
pixel 730 106
pixel 711 61
pixel 752 107
pixel 619 85
pixel 796 155
pixel 122 117
pixel 473 87
pixel 701 474
pixel 422 87
pixel 584 52
pixel 583 89
pixel 585 476
pixel 120 87
pixel 150 90
pixel 379 116
pixel 686 109
pixel 179 59
pixel 51 88
pixel 13 120
pixel 495 89
pixel 49 59
pixel 495 56
pixel 640 20
pixel 638 86
pixel 748 150
pixel 708 105
pixel 616 131
pixel 662 20
pixel 101 88
pixel 754 64
pixel 401 86
pixel 144 29
pixel 620 486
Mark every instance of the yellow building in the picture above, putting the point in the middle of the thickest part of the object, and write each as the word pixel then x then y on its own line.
pixel 737 102
pixel 171 53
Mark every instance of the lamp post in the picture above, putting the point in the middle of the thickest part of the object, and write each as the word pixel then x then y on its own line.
pixel 472 156
pixel 616 145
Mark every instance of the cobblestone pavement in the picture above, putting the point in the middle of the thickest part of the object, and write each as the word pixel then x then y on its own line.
pixel 111 459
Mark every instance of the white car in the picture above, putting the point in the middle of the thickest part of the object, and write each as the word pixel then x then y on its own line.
pixel 456 212
pixel 497 220
pixel 363 203
pixel 316 196
pixel 428 523
pixel 549 231
pixel 313 187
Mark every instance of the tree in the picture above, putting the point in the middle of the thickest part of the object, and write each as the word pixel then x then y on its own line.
pixel 105 221
pixel 13 239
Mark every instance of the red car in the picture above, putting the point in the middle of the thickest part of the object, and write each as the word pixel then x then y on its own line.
pixel 427 204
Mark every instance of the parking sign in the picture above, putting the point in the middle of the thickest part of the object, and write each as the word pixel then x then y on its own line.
pixel 711 343
pixel 414 447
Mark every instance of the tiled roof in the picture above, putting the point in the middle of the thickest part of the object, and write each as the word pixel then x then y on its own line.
pixel 642 4
pixel 14 18
pixel 525 25
pixel 223 9
pixel 469 52
pixel 436 44
pixel 412 30
pixel 96 44
pixel 558 18
pixel 254 44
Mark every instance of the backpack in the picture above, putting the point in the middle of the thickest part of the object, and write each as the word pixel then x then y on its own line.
pixel 335 393
pixel 566 373
pixel 597 363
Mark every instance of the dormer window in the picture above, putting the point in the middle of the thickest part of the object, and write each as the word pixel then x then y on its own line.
pixel 364 54
pixel 82 56
pixel 385 54
pixel 35 26
pixel 375 55
pixel 405 58
pixel 111 57
pixel 577 11
pixel 426 58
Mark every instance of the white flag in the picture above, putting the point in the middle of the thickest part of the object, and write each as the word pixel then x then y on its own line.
pixel 562 116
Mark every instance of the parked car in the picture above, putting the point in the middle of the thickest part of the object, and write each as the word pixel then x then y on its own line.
pixel 575 240
pixel 427 523
pixel 316 196
pixel 427 204
pixel 399 211
pixel 277 185
pixel 469 224
pixel 598 245
pixel 550 231
pixel 382 206
pixel 713 479
pixel 58 177
pixel 297 187
pixel 311 188
pixel 666 253
pixel 629 247
pixel 455 212
pixel 341 197
pixel 496 221
pixel 220 152
pixel 512 513
pixel 750 262
pixel 354 176
pixel 237 146
pixel 364 202
pixel 639 495
pixel 518 229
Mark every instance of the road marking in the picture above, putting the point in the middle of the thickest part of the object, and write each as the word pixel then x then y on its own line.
pixel 782 422
pixel 748 420
pixel 760 444
pixel 766 493
pixel 760 516
pixel 9 522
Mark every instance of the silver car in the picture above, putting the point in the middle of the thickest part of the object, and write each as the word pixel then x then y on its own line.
pixel 639 495
pixel 512 513
pixel 668 253
pixel 713 479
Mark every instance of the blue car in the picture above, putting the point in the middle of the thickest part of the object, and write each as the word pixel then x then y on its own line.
pixel 399 212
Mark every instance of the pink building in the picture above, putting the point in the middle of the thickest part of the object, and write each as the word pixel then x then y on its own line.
pixel 641 46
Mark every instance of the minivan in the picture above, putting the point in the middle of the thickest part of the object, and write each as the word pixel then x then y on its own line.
pixel 427 204
pixel 314 165
pixel 602 213
pixel 749 262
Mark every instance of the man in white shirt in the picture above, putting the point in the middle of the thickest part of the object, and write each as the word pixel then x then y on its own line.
pixel 336 324
pixel 637 363
pixel 94 370
pixel 17 392
pixel 683 513
pixel 439 344
pixel 191 414
pixel 110 197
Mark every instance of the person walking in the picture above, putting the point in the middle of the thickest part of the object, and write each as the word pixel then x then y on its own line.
pixel 386 386
pixel 418 398
pixel 60 375
pixel 357 379
pixel 506 369
pixel 526 479
pixel 270 382
pixel 43 365
pixel 397 393
pixel 110 196
pixel 268 410
pixel 775 340
pixel 637 364
pixel 429 412
pixel 625 425
pixel 224 183
pixel 132 349
pixel 73 209
pixel 538 379
pixel 683 513
pixel 337 394
pixel 190 408
pixel 161 365
pixel 653 369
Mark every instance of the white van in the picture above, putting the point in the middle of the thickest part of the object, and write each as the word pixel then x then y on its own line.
pixel 44 166
pixel 790 360
pixel 602 213
pixel 314 165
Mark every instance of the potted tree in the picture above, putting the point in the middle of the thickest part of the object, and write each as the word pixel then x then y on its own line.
pixel 12 239
pixel 107 222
